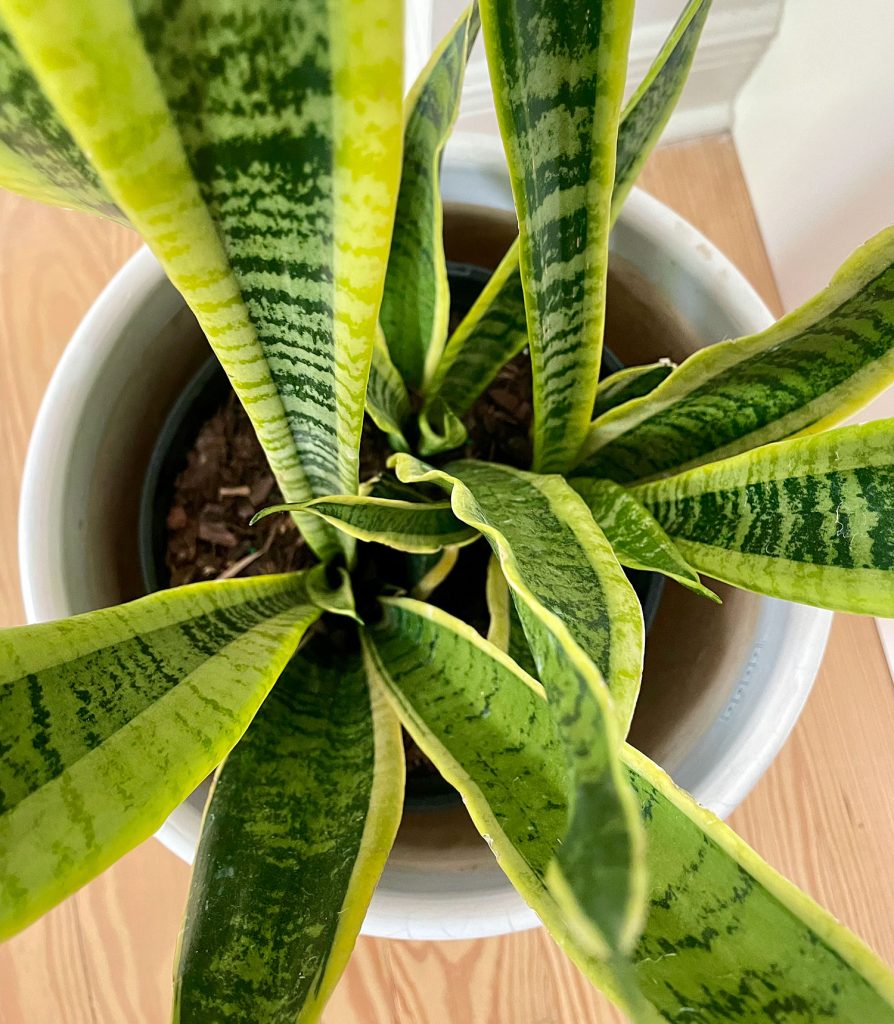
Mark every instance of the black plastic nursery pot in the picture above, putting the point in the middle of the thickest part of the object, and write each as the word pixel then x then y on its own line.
pixel 204 395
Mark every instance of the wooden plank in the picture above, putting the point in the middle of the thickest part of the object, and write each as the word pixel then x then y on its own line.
pixel 53 263
pixel 820 814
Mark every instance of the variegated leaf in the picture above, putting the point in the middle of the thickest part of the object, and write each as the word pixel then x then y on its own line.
pixel 635 535
pixel 726 937
pixel 809 520
pixel 110 719
pixel 629 383
pixel 440 429
pixel 811 369
pixel 495 328
pixel 649 109
pixel 416 526
pixel 279 168
pixel 387 400
pixel 416 302
pixel 333 595
pixel 300 822
pixel 424 658
pixel 584 626
pixel 38 157
pixel 428 572
pixel 505 630
pixel 558 77
pixel 554 555
pixel 491 333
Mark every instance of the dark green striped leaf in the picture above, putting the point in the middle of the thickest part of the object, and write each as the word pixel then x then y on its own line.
pixel 809 520
pixel 516 793
pixel 492 332
pixel 416 302
pixel 811 369
pixel 495 328
pixel 297 154
pixel 110 719
pixel 554 556
pixel 650 107
pixel 278 168
pixel 38 157
pixel 416 526
pixel 584 626
pixel 629 383
pixel 726 937
pixel 635 535
pixel 387 400
pixel 558 78
pixel 300 822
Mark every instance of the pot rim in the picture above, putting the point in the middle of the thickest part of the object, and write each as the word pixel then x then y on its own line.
pixel 738 747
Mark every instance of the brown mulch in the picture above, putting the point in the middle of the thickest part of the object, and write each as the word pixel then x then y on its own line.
pixel 225 482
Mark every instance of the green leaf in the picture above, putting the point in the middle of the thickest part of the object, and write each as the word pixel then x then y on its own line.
pixel 729 938
pixel 491 333
pixel 264 179
pixel 337 599
pixel 495 329
pixel 509 767
pixel 629 383
pixel 554 556
pixel 387 401
pixel 635 535
pixel 811 369
pixel 112 718
pixel 440 429
pixel 809 520
pixel 416 303
pixel 505 630
pixel 726 938
pixel 38 157
pixel 575 604
pixel 300 822
pixel 649 109
pixel 558 78
pixel 496 592
pixel 417 526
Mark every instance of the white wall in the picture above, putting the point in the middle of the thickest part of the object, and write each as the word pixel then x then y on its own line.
pixel 814 127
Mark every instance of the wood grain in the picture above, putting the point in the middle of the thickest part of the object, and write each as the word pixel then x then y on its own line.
pixel 821 814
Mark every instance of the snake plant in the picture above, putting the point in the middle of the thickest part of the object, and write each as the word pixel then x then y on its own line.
pixel 266 154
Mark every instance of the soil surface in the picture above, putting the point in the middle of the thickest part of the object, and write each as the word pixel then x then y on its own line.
pixel 225 482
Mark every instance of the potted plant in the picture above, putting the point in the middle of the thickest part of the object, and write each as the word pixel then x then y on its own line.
pixel 268 181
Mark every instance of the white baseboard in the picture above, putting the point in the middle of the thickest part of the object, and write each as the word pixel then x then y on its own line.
pixel 735 38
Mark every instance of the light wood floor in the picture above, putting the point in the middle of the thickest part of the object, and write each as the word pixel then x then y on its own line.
pixel 823 814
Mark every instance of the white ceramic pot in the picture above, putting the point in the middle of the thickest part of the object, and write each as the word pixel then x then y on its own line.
pixel 722 687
